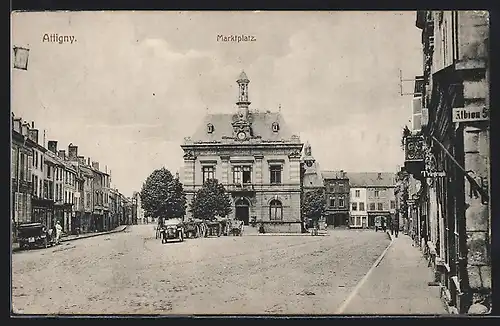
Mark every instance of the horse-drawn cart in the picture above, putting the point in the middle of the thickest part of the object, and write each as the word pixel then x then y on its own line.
pixel 235 228
pixel 213 228
pixel 194 228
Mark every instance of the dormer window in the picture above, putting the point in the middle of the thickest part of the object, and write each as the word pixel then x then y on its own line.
pixel 210 128
pixel 275 127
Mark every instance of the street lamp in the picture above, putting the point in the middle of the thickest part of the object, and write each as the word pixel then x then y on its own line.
pixel 21 58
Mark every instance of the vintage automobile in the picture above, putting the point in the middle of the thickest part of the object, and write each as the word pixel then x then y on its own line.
pixel 380 223
pixel 34 235
pixel 172 228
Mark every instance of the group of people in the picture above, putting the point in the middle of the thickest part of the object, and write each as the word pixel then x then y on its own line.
pixel 55 232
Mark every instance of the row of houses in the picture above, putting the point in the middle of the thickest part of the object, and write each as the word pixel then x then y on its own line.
pixel 50 183
pixel 447 150
pixel 353 199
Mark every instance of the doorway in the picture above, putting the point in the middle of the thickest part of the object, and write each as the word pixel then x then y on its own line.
pixel 242 210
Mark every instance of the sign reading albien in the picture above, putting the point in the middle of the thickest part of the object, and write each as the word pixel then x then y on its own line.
pixel 472 113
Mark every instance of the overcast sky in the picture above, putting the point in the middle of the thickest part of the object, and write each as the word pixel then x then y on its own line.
pixel 134 84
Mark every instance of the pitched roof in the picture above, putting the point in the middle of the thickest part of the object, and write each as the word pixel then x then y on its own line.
pixel 243 76
pixel 334 174
pixel 261 124
pixel 367 179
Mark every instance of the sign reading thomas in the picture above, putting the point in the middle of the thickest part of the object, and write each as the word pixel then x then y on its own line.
pixel 471 113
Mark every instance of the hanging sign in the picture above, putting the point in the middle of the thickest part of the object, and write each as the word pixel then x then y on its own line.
pixel 433 174
pixel 471 113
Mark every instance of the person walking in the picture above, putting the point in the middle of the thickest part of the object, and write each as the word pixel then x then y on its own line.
pixel 58 232
pixel 396 226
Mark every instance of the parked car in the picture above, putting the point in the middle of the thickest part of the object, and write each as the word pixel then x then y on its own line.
pixel 172 228
pixel 34 235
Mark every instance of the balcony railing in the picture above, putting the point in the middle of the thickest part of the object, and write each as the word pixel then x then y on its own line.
pixel 241 187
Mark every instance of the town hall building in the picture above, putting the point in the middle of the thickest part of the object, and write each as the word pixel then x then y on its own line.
pixel 257 159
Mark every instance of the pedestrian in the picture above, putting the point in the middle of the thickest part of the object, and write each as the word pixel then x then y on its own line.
pixel 396 227
pixel 58 231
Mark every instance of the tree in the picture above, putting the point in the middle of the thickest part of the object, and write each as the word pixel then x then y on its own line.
pixel 211 200
pixel 405 133
pixel 313 204
pixel 162 195
pixel 401 190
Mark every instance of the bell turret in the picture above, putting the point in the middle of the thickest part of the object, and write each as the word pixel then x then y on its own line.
pixel 243 101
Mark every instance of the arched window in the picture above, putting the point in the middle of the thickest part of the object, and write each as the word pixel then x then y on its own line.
pixel 275 210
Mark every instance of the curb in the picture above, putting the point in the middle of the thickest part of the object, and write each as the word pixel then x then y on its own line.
pixel 358 286
pixel 286 235
pixel 93 235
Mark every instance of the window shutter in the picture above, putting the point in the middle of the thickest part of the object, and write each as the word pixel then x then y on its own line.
pixel 417 114
pixel 14 163
pixel 28 208
pixel 30 168
pixel 16 206
pixel 425 117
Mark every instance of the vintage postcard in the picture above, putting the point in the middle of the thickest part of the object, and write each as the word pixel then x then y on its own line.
pixel 250 163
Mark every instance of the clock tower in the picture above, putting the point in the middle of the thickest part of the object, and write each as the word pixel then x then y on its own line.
pixel 241 122
pixel 308 159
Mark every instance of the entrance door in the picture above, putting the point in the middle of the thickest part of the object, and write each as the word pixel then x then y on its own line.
pixel 242 211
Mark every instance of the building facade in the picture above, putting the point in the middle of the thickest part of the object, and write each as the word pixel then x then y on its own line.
pixel 139 212
pixel 379 194
pixel 255 157
pixel 48 185
pixel 21 170
pixel 448 155
pixel 358 207
pixel 337 198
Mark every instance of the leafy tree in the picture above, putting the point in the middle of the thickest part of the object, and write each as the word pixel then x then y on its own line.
pixel 313 204
pixel 162 195
pixel 211 200
pixel 402 182
pixel 405 133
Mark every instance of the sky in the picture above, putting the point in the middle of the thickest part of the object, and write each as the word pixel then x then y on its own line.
pixel 132 85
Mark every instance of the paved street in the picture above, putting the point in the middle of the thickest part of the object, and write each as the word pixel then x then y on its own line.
pixel 133 273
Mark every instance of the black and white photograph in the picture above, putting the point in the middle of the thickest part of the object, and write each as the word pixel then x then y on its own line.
pixel 232 163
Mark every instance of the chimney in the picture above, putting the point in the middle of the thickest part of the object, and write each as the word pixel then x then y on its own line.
pixel 88 161
pixel 32 124
pixel 95 165
pixel 25 129
pixel 81 160
pixel 72 152
pixel 52 145
pixel 33 135
pixel 62 154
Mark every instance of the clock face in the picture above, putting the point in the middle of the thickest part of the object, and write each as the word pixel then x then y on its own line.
pixel 241 135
